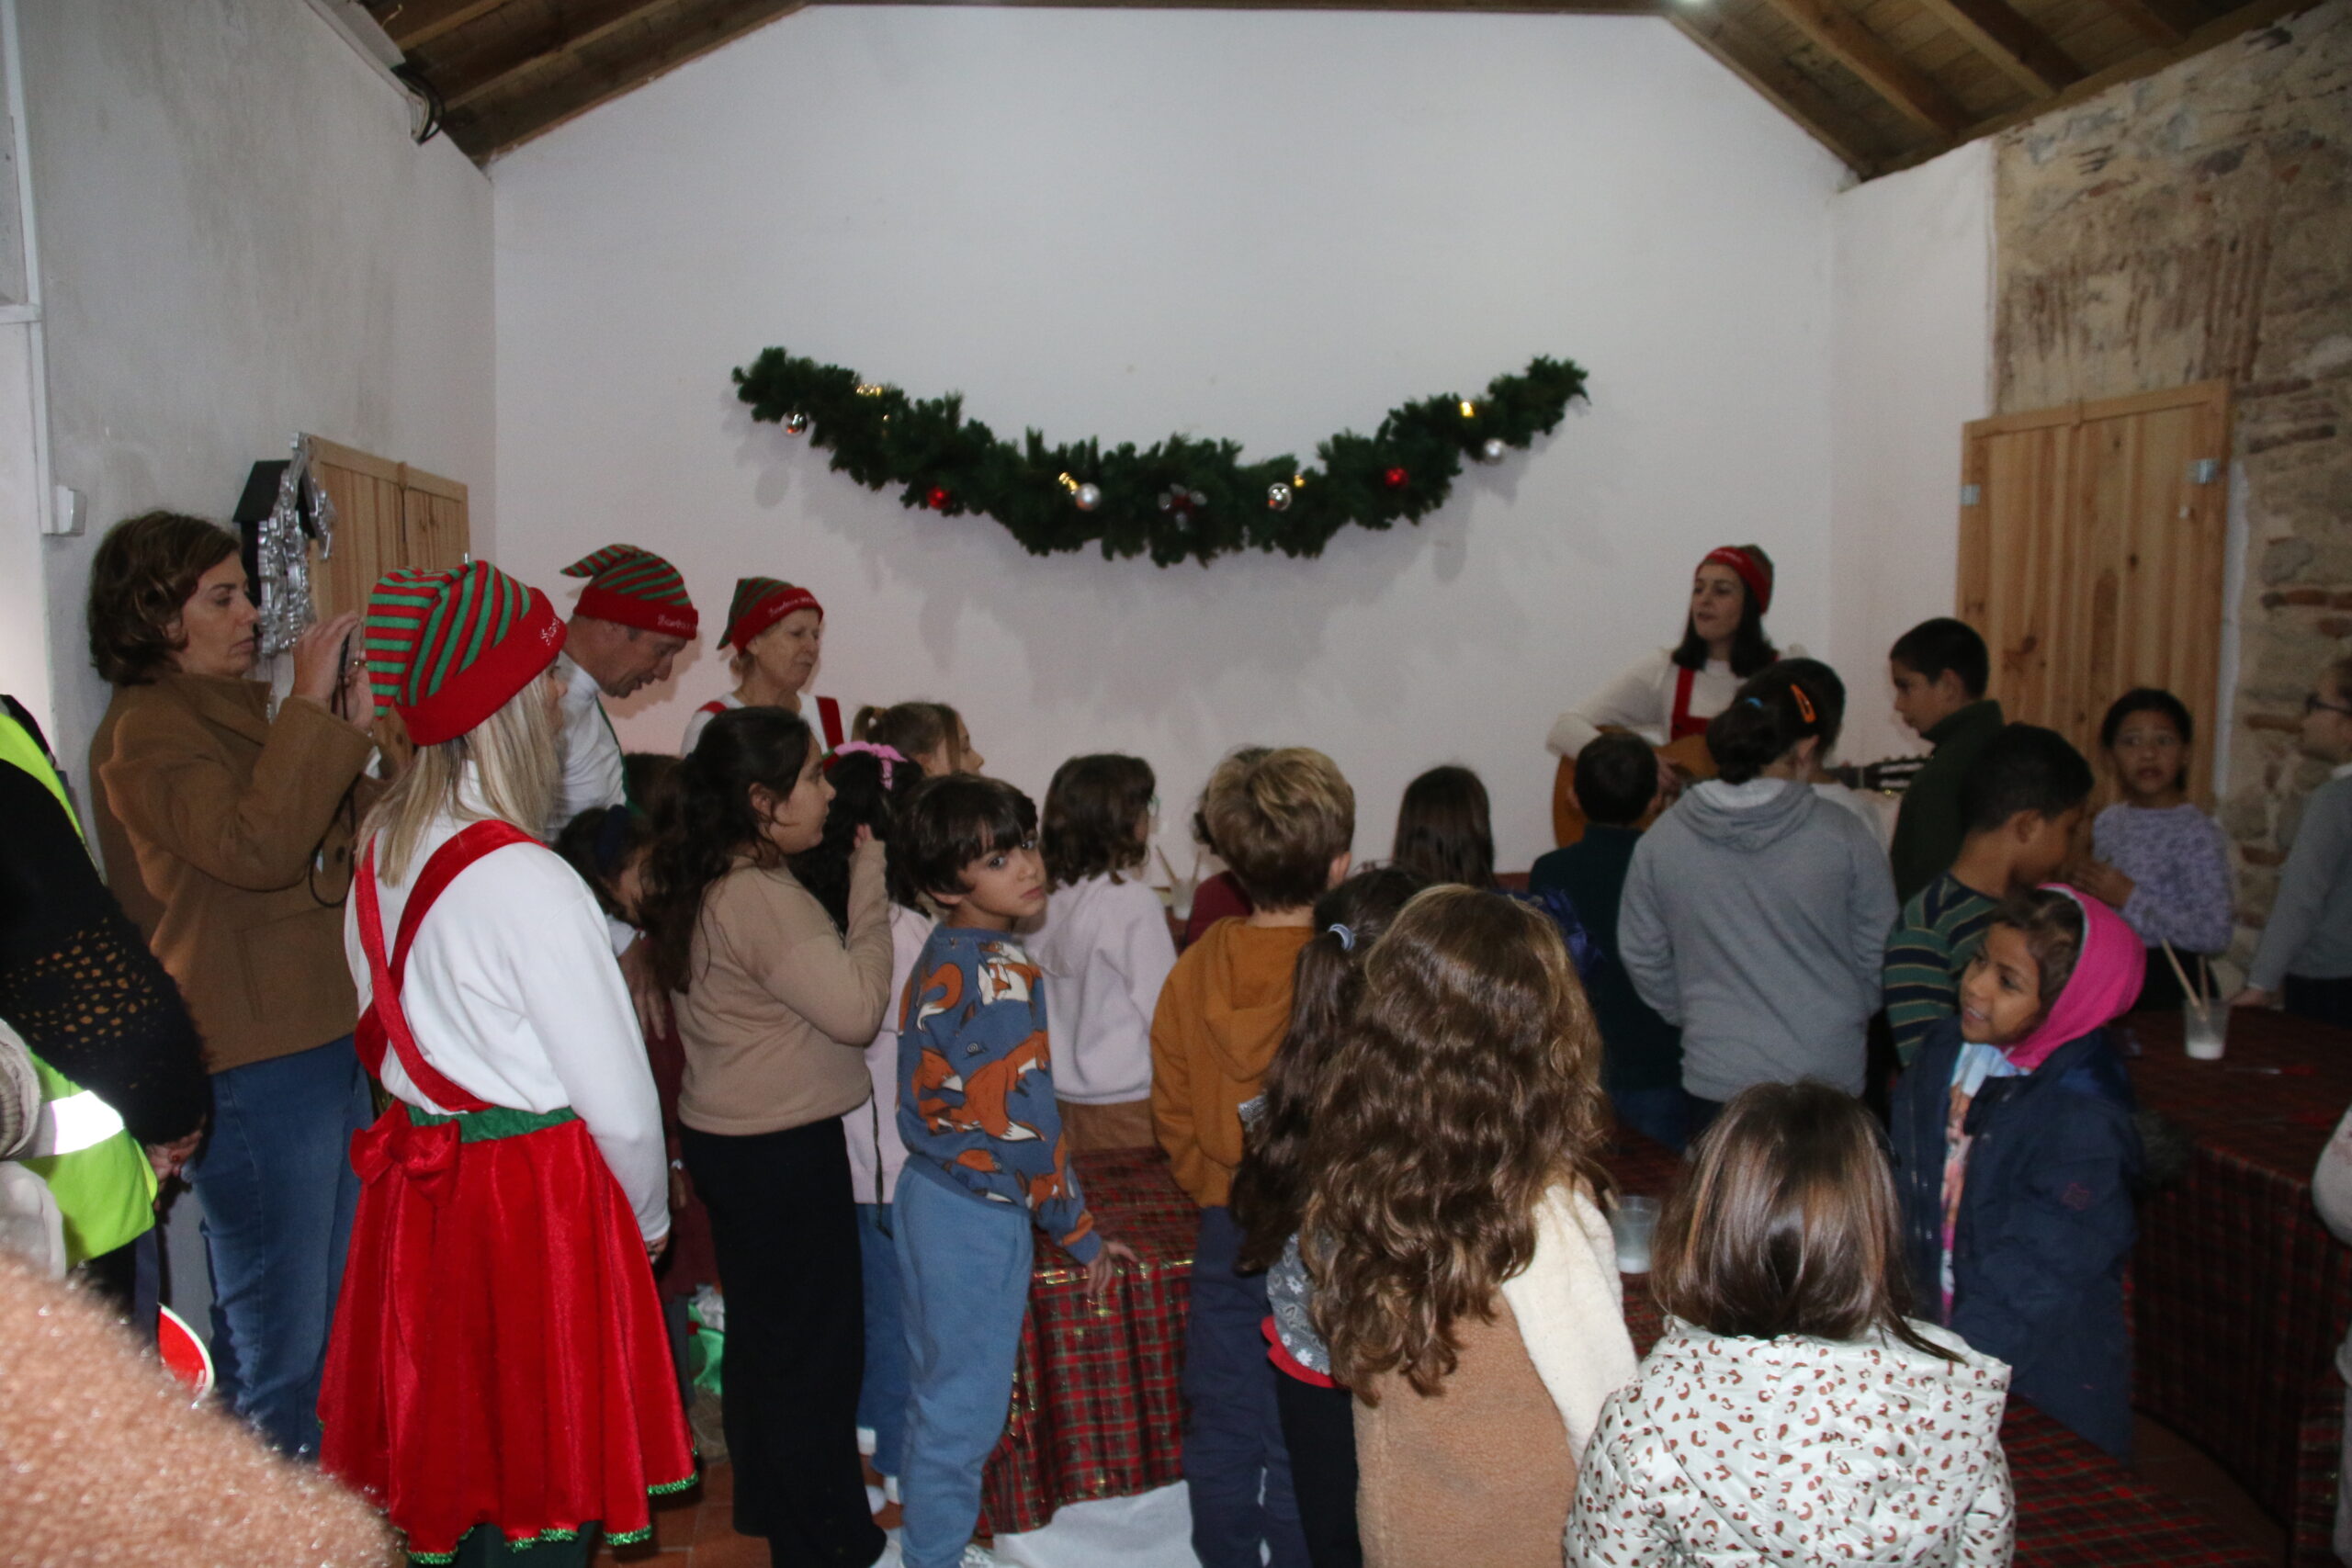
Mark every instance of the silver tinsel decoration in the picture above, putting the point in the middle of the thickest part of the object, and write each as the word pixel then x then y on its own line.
pixel 281 552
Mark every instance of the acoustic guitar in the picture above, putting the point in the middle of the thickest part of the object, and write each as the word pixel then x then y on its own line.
pixel 1688 757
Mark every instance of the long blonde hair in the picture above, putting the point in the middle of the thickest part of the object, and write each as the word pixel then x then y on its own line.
pixel 515 766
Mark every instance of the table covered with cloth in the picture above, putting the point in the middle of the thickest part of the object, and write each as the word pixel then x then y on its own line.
pixel 1097 1411
pixel 2240 1294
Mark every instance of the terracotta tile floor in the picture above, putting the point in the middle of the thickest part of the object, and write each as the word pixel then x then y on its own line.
pixel 695 1529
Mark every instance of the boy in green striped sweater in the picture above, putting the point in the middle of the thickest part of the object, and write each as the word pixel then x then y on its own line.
pixel 2021 803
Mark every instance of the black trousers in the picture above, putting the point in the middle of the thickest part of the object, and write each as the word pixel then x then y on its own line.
pixel 785 1228
pixel 2330 1001
pixel 1319 1428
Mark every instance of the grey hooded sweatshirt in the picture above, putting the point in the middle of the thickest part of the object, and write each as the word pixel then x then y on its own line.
pixel 1756 917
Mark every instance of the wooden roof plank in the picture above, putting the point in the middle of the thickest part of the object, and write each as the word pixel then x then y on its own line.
pixel 2023 53
pixel 1895 79
pixel 671 38
pixel 573 27
pixel 2161 22
pixel 2218 32
pixel 1784 88
pixel 413 22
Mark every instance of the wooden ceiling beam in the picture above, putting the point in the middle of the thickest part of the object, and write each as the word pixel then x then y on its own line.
pixel 465 78
pixel 1914 95
pixel 2161 22
pixel 670 36
pixel 1737 48
pixel 2022 51
pixel 414 22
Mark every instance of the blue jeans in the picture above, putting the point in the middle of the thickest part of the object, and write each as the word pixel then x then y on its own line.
pixel 1663 1114
pixel 276 1181
pixel 964 1273
pixel 1236 1468
pixel 882 1397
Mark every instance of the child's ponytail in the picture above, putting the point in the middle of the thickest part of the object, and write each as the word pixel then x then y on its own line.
pixel 1773 711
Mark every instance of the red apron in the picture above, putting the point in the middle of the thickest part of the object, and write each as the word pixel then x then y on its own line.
pixel 498 1355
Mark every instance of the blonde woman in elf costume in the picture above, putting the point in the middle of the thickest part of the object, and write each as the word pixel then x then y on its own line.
pixel 499 1373
pixel 632 621
pixel 777 632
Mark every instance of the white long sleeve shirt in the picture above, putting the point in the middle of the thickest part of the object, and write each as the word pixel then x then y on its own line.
pixel 1642 699
pixel 592 752
pixel 513 993
pixel 1105 949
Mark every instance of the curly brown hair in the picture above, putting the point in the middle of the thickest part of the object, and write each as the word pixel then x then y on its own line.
pixel 1470 1085
pixel 145 570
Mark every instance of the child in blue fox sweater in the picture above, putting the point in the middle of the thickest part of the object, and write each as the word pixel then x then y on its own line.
pixel 984 1146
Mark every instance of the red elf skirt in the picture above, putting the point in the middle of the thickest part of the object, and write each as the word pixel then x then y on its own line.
pixel 498 1355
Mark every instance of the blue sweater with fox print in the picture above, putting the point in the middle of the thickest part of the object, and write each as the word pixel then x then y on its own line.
pixel 976 1086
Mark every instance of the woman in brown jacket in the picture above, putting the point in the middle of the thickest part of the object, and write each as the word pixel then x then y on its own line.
pixel 227 831
pixel 1465 1278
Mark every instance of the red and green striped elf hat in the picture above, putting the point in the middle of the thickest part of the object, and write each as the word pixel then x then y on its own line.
pixel 449 648
pixel 634 587
pixel 760 603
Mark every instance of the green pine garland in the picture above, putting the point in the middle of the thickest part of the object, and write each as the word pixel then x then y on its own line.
pixel 1178 498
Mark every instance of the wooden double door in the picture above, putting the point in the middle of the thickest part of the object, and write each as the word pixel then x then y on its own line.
pixel 2093 549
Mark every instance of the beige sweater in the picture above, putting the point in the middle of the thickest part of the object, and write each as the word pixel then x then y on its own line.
pixel 780 1009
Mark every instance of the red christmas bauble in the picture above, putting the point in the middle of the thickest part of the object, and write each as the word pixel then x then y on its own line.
pixel 936 497
pixel 1394 479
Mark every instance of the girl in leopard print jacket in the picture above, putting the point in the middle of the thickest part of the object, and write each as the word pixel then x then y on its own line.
pixel 1790 1413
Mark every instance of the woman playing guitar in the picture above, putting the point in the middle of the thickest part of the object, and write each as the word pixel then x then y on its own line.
pixel 1667 698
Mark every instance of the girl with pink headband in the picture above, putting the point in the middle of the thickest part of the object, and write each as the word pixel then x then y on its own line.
pixel 2017 1156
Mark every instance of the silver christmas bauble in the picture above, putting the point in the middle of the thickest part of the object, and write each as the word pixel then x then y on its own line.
pixel 1492 450
pixel 1088 497
pixel 1278 497
pixel 1199 498
pixel 1167 500
pixel 795 424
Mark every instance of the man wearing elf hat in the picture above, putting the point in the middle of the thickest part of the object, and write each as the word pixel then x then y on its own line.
pixel 499 1371
pixel 632 620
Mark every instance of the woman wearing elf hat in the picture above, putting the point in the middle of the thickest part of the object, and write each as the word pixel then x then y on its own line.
pixel 777 632
pixel 1670 695
pixel 632 621
pixel 498 1373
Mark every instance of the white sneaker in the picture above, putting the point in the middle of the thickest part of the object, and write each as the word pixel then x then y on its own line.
pixel 979 1556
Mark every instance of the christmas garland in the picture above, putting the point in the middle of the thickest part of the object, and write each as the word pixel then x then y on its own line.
pixel 1175 498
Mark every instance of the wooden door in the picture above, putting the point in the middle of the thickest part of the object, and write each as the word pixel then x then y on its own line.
pixel 434 514
pixel 387 515
pixel 2092 553
pixel 368 533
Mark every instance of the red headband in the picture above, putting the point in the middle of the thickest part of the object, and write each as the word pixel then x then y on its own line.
pixel 1749 571
pixel 765 612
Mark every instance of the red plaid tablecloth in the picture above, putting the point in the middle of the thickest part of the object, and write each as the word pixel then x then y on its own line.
pixel 2077 1507
pixel 2240 1295
pixel 1096 1410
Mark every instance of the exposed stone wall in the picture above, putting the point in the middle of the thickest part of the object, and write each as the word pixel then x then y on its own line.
pixel 2196 224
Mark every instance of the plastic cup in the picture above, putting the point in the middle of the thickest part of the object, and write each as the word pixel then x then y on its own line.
pixel 1633 1221
pixel 2206 1033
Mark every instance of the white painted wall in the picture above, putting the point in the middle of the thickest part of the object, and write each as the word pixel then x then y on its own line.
pixel 1267 226
pixel 1911 362
pixel 238 241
